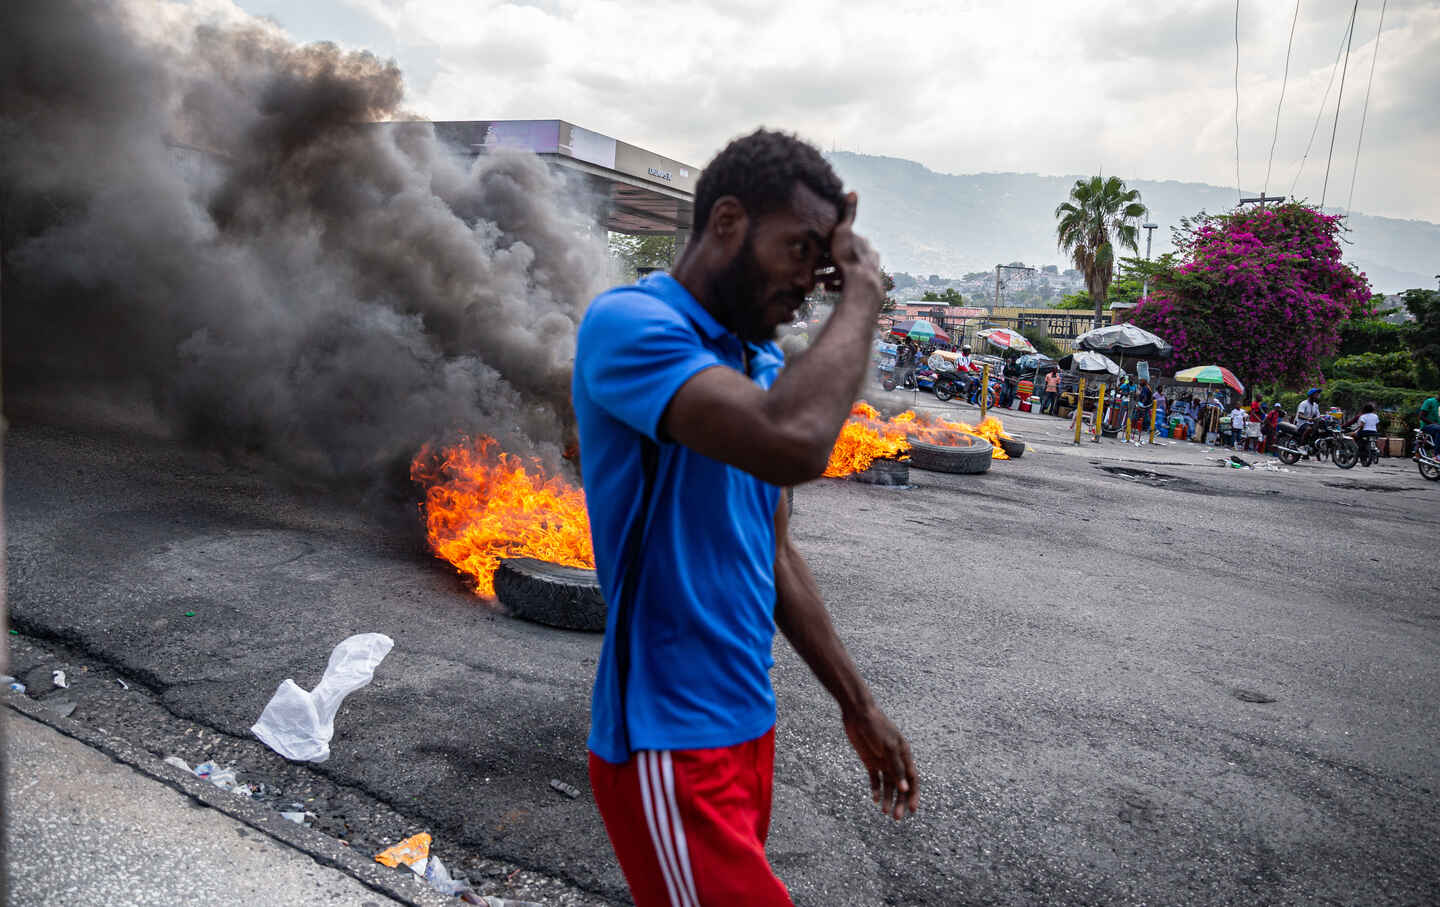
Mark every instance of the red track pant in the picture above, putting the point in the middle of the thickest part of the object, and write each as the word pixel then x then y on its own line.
pixel 689 826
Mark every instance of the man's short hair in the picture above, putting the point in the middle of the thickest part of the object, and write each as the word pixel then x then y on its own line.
pixel 761 170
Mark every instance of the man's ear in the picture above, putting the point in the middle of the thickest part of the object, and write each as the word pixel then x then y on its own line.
pixel 728 222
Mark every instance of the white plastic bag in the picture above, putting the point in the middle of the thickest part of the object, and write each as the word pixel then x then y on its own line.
pixel 298 724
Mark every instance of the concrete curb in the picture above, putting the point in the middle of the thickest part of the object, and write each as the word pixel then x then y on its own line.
pixel 320 847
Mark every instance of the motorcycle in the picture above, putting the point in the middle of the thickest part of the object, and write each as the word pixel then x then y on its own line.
pixel 950 384
pixel 1369 453
pixel 1426 456
pixel 1325 441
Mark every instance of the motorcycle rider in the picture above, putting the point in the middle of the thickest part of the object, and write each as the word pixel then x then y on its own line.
pixel 1430 421
pixel 1307 415
pixel 1369 427
pixel 905 363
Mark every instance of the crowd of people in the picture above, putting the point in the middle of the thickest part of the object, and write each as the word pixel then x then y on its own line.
pixel 1132 404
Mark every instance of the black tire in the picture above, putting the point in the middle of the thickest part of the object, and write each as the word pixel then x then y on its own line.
pixel 963 458
pixel 1289 458
pixel 944 389
pixel 545 593
pixel 884 472
pixel 1013 449
pixel 1345 453
pixel 888 382
pixel 1429 472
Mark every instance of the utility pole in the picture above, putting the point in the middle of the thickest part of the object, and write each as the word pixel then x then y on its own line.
pixel 1149 235
pixel 998 269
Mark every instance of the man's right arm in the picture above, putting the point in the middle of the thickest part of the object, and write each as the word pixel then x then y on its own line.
pixel 783 435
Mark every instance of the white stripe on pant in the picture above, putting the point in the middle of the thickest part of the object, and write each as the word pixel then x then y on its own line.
pixel 657 789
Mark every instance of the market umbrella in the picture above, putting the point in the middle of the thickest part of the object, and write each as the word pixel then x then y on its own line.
pixel 1210 374
pixel 1124 340
pixel 920 330
pixel 1006 339
pixel 1034 362
pixel 1088 363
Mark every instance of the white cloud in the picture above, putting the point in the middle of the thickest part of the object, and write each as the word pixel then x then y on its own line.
pixel 1140 90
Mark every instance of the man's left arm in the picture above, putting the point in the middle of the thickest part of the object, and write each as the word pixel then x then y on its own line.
pixel 801 616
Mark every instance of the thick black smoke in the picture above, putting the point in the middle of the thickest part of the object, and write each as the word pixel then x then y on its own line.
pixel 196 215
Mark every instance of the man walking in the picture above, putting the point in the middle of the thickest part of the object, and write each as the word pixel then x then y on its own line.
pixel 688 432
pixel 1140 423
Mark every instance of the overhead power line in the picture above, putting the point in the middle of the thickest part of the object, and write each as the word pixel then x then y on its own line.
pixel 1283 82
pixel 1365 110
pixel 1238 191
pixel 1339 99
pixel 1315 130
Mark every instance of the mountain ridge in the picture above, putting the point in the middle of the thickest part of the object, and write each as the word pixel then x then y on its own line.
pixel 926 222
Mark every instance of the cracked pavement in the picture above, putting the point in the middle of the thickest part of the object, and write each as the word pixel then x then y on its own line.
pixel 1067 649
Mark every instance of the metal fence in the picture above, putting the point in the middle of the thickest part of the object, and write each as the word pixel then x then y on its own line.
pixel 1063 326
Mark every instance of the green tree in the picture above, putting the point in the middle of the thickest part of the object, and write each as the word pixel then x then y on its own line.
pixel 1044 344
pixel 1423 337
pixel 951 296
pixel 637 252
pixel 1100 214
pixel 1075 301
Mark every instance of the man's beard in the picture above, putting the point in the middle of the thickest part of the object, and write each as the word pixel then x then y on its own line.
pixel 735 294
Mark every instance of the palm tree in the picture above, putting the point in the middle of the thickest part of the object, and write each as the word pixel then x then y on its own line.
pixel 1100 213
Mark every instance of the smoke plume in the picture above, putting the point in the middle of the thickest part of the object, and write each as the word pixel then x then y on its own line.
pixel 202 215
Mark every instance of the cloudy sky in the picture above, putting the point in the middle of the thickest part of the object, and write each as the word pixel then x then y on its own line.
pixel 1142 90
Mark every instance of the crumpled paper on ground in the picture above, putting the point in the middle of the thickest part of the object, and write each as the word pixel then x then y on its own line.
pixel 298 724
pixel 408 851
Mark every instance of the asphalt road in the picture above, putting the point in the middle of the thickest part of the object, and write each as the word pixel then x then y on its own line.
pixel 1072 651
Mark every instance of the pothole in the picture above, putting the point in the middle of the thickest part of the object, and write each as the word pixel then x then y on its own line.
pixel 1154 479
pixel 1251 696
pixel 1362 486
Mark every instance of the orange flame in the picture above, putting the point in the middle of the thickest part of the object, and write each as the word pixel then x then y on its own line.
pixel 863 440
pixel 482 505
pixel 865 437
pixel 937 431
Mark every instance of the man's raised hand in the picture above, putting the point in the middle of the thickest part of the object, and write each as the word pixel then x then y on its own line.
pixel 856 266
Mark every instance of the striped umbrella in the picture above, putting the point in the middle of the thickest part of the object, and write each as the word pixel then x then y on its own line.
pixel 1210 374
pixel 920 330
pixel 1006 339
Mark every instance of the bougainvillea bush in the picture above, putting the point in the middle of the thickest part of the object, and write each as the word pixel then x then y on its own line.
pixel 1262 292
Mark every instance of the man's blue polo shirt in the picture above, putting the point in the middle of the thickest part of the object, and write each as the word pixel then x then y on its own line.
pixel 703 618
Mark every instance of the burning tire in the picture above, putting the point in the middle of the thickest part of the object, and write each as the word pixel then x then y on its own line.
pixel 967 456
pixel 1013 449
pixel 545 593
pixel 885 472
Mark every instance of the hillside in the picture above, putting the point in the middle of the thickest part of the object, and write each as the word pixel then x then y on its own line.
pixel 925 222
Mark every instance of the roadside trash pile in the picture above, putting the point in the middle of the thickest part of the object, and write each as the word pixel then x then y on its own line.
pixel 1235 462
pixel 414 854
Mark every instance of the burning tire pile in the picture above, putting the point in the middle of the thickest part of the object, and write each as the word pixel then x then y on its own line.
pixel 551 594
pixel 522 537
pixel 964 455
pixel 879 452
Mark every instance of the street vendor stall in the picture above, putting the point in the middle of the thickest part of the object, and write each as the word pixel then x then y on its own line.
pixel 1211 415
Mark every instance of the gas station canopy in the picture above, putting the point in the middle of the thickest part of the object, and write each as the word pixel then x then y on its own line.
pixel 642 193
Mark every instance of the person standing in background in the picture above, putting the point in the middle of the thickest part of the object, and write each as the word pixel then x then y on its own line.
pixel 1270 428
pixel 1050 403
